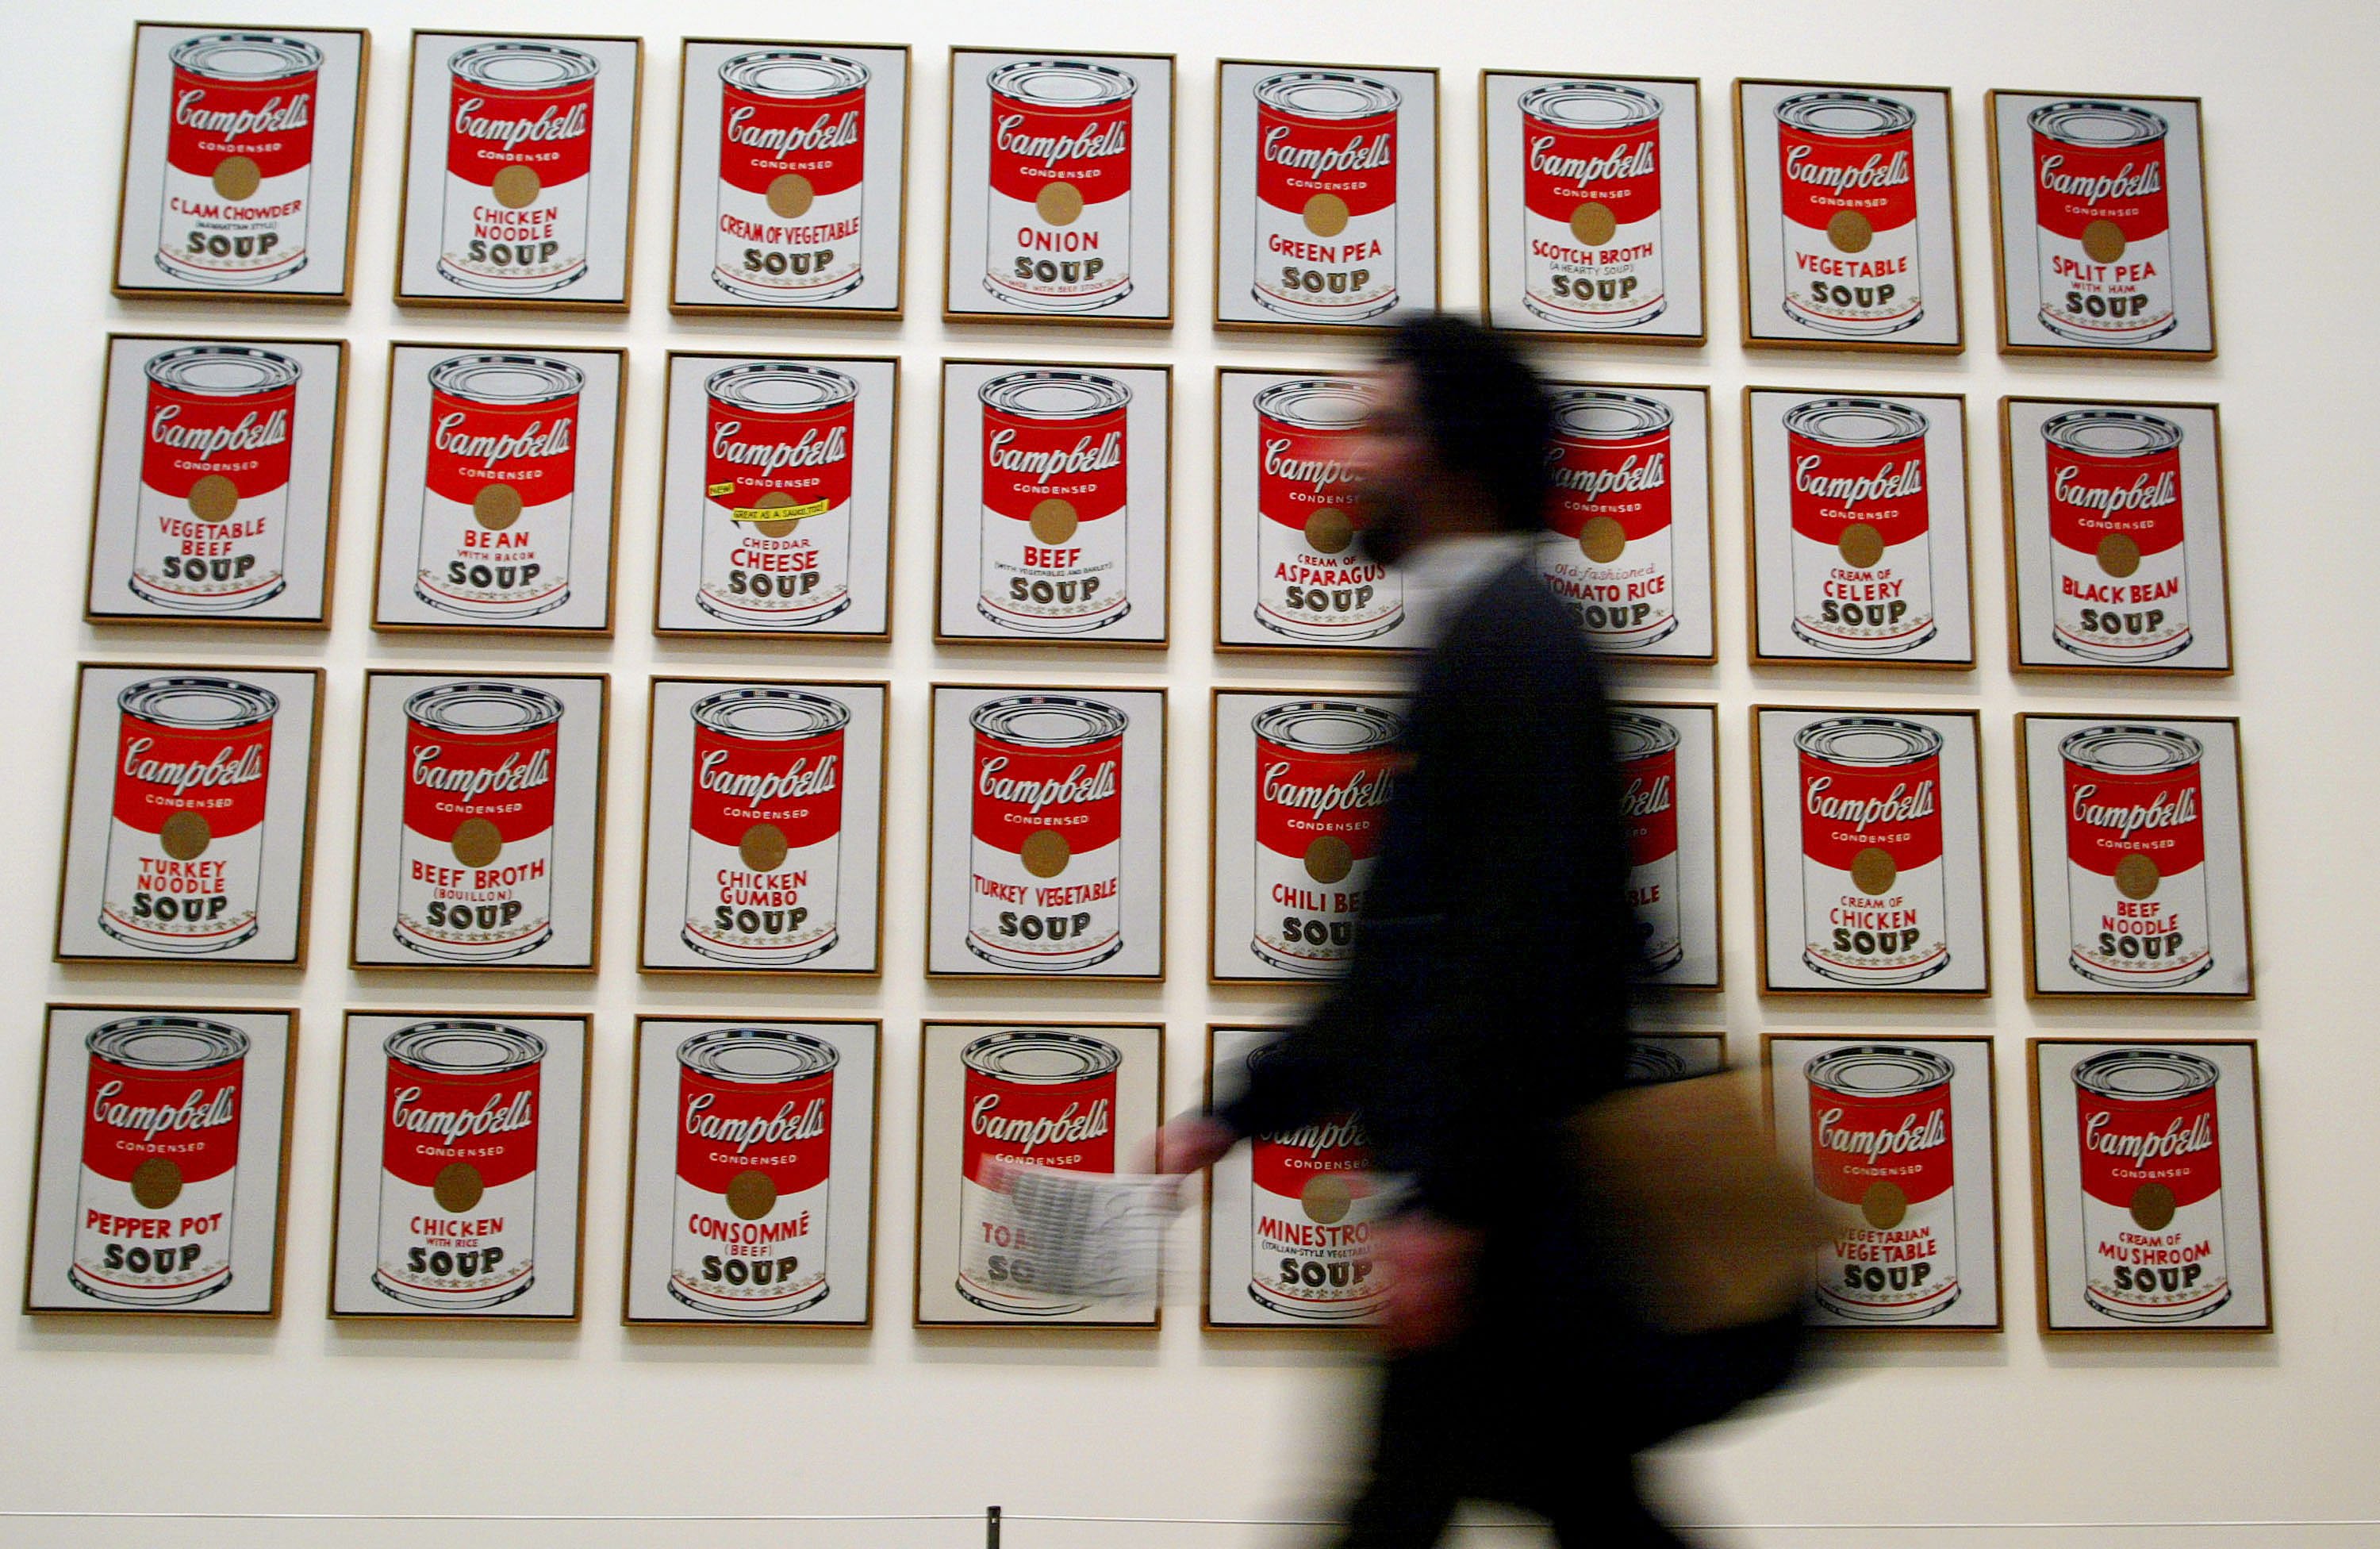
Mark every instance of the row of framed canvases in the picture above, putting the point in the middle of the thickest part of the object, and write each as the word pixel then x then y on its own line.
pixel 479 841
pixel 162 1171
pixel 216 502
pixel 243 153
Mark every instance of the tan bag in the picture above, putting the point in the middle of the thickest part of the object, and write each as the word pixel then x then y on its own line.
pixel 1714 1231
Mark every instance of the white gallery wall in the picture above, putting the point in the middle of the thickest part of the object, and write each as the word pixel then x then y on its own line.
pixel 390 1434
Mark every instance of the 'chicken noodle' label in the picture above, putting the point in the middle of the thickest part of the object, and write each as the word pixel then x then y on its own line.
pixel 1046 892
pixel 520 140
pixel 2152 1163
pixel 459 1172
pixel 755 1144
pixel 1880 1153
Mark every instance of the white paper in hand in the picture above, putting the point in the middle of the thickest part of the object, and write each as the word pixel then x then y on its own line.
pixel 1096 1235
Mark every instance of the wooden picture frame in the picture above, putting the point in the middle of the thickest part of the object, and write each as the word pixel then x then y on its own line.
pixel 2114 138
pixel 2113 910
pixel 1928 935
pixel 225 878
pixel 491 730
pixel 241 528
pixel 748 1064
pixel 1335 270
pixel 175 1249
pixel 485 549
pixel 1600 126
pixel 1029 547
pixel 252 73
pixel 411 1272
pixel 2142 480
pixel 958 1068
pixel 779 580
pixel 1069 104
pixel 1109 906
pixel 794 732
pixel 2166 1107
pixel 791 263
pixel 1881 1184
pixel 1858 265
pixel 579 245
pixel 1872 572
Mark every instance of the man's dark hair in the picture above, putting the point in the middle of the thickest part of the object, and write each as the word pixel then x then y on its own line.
pixel 1483 409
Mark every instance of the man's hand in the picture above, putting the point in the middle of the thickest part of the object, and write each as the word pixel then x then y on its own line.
pixel 1184 1145
pixel 1427 1265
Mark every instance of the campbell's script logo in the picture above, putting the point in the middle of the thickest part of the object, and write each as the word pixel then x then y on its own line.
pixel 1906 804
pixel 471 782
pixel 1076 1122
pixel 1051 462
pixel 2143 494
pixel 1315 472
pixel 1878 171
pixel 1362 791
pixel 199 1110
pixel 1850 490
pixel 1357 155
pixel 2128 182
pixel 827 132
pixel 550 124
pixel 2168 809
pixel 1646 799
pixel 1091 142
pixel 500 1115
pixel 253 433
pixel 1345 1133
pixel 536 441
pixel 2182 1137
pixel 1633 475
pixel 1625 160
pixel 227 767
pixel 1083 784
pixel 789 1122
pixel 815 449
pixel 274 116
pixel 798 778
pixel 1912 1133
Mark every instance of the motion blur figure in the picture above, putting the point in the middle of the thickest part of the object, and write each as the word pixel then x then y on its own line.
pixel 1487 999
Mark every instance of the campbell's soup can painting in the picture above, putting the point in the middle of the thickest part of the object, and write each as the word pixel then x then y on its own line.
pixel 793 161
pixel 458 1168
pixel 1872 909
pixel 1311 1214
pixel 2153 1240
pixel 1312 584
pixel 1047 891
pixel 186 830
pixel 240 158
pixel 163 1105
pixel 520 142
pixel 1325 771
pixel 2118 542
pixel 1612 554
pixel 1880 1155
pixel 2101 224
pixel 475 864
pixel 1058 218
pixel 215 478
pixel 1591 204
pixel 1847 169
pixel 776 520
pixel 1056 517
pixel 1325 238
pixel 762 856
pixel 755 1144
pixel 501 478
pixel 1033 1096
pixel 1863 532
pixel 2136 856
pixel 1646 749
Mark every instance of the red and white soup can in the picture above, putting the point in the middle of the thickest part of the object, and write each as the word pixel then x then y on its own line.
pixel 1646 749
pixel 215 478
pixel 476 878
pixel 1311 1214
pixel 1880 1156
pixel 776 520
pixel 1038 1097
pixel 2136 856
pixel 1312 585
pixel 793 164
pixel 1325 771
pixel 1326 211
pixel 501 478
pixel 2153 1241
pixel 1591 204
pixel 763 856
pixel 755 1150
pixel 1058 215
pixel 1847 184
pixel 1872 909
pixel 1651 1064
pixel 520 145
pixel 1615 560
pixel 1046 893
pixel 186 834
pixel 458 1164
pixel 161 1111
pixel 1863 528
pixel 2101 224
pixel 1056 504
pixel 240 158
pixel 2118 540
